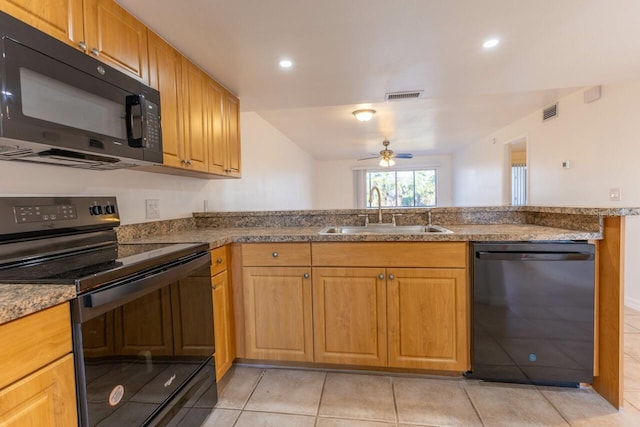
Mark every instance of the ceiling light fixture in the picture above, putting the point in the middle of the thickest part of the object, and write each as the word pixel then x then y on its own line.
pixel 488 44
pixel 286 63
pixel 386 162
pixel 364 115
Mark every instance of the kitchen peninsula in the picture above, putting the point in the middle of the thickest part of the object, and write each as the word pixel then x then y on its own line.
pixel 288 243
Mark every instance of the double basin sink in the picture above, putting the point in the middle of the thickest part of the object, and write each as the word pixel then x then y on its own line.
pixel 385 229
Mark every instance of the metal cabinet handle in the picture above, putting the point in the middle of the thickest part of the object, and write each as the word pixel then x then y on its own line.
pixel 275 254
pixel 95 51
pixel 306 275
pixel 82 45
pixel 214 287
pixel 391 277
pixel 381 276
pixel 219 260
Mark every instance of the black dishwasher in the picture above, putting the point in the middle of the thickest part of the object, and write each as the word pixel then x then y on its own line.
pixel 533 312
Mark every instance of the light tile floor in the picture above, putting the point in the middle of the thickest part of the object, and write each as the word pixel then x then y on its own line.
pixel 250 396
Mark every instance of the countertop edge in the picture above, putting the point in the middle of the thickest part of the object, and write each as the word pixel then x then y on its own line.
pixel 19 300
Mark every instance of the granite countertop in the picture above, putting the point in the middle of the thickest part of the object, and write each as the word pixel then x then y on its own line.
pixel 494 232
pixel 17 300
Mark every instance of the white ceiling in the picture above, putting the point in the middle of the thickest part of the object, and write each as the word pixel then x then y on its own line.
pixel 348 53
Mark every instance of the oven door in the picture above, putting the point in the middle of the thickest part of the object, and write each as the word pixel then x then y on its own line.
pixel 144 348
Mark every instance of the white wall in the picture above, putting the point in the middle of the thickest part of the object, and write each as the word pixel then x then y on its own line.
pixel 276 175
pixel 334 180
pixel 600 139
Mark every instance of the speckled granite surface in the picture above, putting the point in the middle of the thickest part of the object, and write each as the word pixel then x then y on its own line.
pixel 136 231
pixel 562 217
pixel 20 300
pixel 492 232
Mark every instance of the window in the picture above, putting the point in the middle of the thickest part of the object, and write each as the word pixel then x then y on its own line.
pixel 399 188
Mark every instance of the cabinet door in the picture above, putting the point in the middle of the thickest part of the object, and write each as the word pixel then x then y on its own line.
pixel 216 129
pixel 222 323
pixel 165 66
pixel 61 19
pixel 191 335
pixel 349 309
pixel 45 398
pixel 195 108
pixel 154 312
pixel 428 323
pixel 277 306
pixel 232 134
pixel 117 38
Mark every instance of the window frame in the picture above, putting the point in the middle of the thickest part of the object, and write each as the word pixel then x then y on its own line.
pixel 365 180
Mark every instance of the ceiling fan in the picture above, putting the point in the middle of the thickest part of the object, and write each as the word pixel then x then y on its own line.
pixel 386 156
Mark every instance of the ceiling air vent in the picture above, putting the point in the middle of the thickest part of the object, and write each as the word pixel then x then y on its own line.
pixel 402 96
pixel 550 112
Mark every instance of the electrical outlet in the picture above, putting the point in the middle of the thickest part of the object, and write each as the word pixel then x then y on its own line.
pixel 615 194
pixel 153 208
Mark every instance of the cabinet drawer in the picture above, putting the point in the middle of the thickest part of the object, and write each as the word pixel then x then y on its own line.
pixel 401 254
pixel 276 254
pixel 44 336
pixel 218 260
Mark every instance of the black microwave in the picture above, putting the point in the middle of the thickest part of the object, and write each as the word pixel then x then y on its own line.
pixel 61 106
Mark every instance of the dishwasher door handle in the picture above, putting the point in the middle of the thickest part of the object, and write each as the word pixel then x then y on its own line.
pixel 535 256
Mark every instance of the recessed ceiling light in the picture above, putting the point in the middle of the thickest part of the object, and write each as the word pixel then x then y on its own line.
pixel 488 44
pixel 286 63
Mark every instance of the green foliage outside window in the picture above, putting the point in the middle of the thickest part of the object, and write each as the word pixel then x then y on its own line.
pixel 413 188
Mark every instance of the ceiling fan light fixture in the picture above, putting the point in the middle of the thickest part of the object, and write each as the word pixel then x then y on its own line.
pixel 364 115
pixel 385 163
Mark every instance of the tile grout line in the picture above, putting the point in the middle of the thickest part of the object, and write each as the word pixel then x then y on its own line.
pixel 395 402
pixel 473 405
pixel 324 382
pixel 552 405
pixel 255 386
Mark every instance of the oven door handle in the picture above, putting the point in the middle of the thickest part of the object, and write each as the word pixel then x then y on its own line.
pixel 96 303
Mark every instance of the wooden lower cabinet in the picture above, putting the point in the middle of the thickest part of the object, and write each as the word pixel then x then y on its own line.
pixel 277 307
pixel 349 314
pixel 37 379
pixel 222 323
pixel 45 398
pixel 428 318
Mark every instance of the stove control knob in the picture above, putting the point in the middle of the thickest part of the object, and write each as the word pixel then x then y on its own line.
pixel 95 210
pixel 110 209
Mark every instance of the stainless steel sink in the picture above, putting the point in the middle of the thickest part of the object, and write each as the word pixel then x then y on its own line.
pixel 385 229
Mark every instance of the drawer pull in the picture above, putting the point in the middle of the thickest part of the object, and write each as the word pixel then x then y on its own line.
pixel 391 277
pixel 219 260
pixel 381 276
pixel 306 275
pixel 275 254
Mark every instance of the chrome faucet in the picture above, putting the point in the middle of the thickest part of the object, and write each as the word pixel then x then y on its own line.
pixel 429 218
pixel 375 187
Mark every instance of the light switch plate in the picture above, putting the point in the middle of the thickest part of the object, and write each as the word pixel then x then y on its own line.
pixel 153 208
pixel 615 194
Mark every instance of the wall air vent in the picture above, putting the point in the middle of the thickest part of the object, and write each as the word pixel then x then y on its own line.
pixel 550 112
pixel 402 96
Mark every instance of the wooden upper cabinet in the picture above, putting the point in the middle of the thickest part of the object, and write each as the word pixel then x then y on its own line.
pixel 216 128
pixel 232 134
pixel 99 27
pixel 61 19
pixel 165 69
pixel 194 89
pixel 117 38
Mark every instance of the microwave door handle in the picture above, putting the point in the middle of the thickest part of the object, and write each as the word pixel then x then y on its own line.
pixel 131 101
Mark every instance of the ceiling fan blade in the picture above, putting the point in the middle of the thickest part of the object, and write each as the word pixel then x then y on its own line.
pixel 369 158
pixel 404 156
